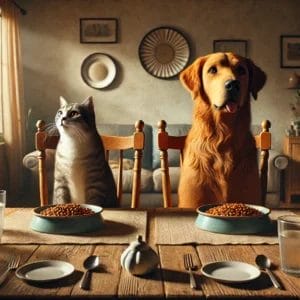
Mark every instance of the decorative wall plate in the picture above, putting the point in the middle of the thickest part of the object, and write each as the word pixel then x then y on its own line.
pixel 98 70
pixel 164 52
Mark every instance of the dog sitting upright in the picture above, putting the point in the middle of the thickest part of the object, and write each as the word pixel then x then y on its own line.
pixel 220 155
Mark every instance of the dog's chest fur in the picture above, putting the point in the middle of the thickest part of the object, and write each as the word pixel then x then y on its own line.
pixel 221 150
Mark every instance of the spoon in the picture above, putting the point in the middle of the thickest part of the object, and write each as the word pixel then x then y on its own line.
pixel 90 263
pixel 264 263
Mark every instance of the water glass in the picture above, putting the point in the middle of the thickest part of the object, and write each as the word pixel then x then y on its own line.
pixel 2 207
pixel 289 243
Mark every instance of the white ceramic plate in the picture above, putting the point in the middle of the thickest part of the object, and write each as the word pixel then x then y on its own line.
pixel 230 271
pixel 98 70
pixel 45 270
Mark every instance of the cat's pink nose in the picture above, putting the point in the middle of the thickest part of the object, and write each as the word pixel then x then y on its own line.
pixel 62 123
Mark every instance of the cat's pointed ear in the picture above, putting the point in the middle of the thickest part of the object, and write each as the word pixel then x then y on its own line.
pixel 88 102
pixel 62 101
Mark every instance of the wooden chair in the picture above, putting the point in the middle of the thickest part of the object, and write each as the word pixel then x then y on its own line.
pixel 135 141
pixel 166 142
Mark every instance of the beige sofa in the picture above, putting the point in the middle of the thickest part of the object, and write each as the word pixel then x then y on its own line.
pixel 151 186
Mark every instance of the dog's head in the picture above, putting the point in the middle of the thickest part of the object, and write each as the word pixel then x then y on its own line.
pixel 224 80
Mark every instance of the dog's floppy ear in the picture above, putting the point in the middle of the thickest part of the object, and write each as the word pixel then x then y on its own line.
pixel 257 78
pixel 191 77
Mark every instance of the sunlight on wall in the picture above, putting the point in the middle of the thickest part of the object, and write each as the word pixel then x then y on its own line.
pixel 53 54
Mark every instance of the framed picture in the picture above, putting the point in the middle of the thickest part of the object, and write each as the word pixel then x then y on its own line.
pixel 290 51
pixel 95 30
pixel 236 46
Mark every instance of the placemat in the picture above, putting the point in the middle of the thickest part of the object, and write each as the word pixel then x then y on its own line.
pixel 121 227
pixel 179 228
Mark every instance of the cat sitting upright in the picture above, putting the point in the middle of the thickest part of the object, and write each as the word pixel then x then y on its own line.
pixel 82 175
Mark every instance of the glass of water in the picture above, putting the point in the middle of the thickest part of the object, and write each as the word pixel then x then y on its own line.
pixel 289 243
pixel 2 207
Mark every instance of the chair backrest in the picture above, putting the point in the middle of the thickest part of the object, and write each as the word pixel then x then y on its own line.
pixel 135 141
pixel 166 142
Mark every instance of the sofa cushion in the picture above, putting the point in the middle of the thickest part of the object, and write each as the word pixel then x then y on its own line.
pixel 126 130
pixel 31 161
pixel 146 180
pixel 273 176
pixel 174 179
pixel 173 155
pixel 273 173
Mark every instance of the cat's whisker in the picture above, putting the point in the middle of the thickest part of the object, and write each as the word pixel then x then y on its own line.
pixel 51 129
pixel 49 126
pixel 81 137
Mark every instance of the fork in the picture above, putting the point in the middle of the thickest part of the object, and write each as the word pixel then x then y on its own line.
pixel 189 266
pixel 13 263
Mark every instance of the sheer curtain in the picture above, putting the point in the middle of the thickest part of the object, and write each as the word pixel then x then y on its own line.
pixel 12 98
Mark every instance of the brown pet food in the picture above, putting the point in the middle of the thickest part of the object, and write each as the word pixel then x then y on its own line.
pixel 233 210
pixel 66 210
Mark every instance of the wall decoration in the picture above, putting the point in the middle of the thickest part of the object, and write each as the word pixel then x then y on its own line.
pixel 95 30
pixel 290 51
pixel 98 70
pixel 164 52
pixel 236 46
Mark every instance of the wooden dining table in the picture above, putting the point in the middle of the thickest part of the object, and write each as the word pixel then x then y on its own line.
pixel 168 280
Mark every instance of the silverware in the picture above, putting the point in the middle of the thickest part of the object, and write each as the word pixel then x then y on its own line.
pixel 12 264
pixel 264 263
pixel 91 263
pixel 189 265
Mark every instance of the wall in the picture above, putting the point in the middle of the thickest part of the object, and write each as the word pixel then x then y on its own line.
pixel 52 55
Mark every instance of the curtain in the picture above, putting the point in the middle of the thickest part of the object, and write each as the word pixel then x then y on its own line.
pixel 12 98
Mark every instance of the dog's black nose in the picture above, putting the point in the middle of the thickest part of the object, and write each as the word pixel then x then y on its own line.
pixel 232 86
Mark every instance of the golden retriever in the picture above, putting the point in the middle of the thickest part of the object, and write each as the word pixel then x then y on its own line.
pixel 220 156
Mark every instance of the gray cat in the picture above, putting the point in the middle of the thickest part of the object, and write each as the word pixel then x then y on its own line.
pixel 82 175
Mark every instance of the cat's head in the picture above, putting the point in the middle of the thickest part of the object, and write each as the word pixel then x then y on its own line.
pixel 72 117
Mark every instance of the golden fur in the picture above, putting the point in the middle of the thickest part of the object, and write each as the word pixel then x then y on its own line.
pixel 220 156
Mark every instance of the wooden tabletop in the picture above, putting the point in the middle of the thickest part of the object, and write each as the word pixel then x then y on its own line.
pixel 170 280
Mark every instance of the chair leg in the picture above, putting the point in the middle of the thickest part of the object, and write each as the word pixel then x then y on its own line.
pixel 136 181
pixel 263 166
pixel 43 178
pixel 166 185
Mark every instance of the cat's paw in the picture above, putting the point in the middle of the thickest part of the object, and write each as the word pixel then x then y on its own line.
pixel 62 195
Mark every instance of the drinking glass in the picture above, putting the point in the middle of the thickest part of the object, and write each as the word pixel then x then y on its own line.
pixel 2 207
pixel 289 243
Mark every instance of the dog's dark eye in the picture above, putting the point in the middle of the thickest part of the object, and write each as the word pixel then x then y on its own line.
pixel 212 70
pixel 73 113
pixel 241 70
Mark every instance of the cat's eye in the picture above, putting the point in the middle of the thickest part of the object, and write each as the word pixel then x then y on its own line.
pixel 59 113
pixel 74 113
pixel 212 70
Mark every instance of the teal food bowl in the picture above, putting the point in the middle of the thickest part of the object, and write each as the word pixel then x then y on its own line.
pixel 69 224
pixel 261 224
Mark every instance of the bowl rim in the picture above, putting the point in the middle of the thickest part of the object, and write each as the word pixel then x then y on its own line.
pixel 201 210
pixel 95 208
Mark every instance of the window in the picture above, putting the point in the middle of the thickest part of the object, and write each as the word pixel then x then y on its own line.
pixel 1 108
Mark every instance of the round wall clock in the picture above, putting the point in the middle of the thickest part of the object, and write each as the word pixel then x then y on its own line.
pixel 164 52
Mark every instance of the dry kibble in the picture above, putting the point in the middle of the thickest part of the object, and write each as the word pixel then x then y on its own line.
pixel 66 210
pixel 233 210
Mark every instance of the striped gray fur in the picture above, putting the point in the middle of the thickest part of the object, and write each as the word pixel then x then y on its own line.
pixel 82 175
